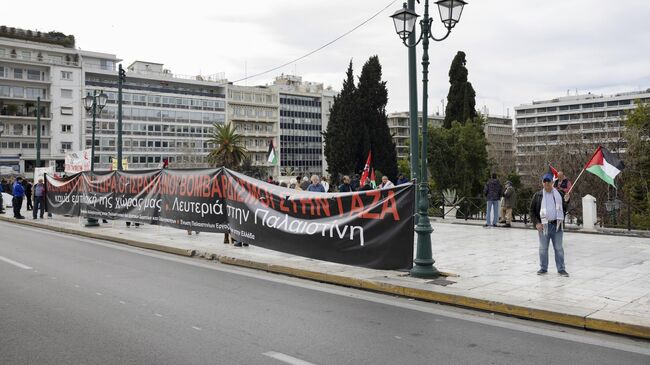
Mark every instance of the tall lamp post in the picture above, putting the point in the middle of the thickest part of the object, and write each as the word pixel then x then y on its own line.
pixel 94 103
pixel 405 19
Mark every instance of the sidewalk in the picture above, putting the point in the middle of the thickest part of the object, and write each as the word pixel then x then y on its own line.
pixel 491 269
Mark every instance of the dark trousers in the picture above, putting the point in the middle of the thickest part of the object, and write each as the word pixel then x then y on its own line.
pixel 29 201
pixel 17 203
pixel 39 204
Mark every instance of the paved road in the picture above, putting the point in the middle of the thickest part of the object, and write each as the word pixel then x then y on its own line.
pixel 69 300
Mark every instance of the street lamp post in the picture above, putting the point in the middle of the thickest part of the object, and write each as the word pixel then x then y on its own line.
pixel 93 103
pixel 404 20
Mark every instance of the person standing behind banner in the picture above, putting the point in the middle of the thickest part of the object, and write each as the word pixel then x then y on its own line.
pixel 385 183
pixel 355 183
pixel 325 183
pixel 305 183
pixel 401 179
pixel 345 187
pixel 547 216
pixel 316 186
pixel 39 199
pixel 492 193
pixel 17 201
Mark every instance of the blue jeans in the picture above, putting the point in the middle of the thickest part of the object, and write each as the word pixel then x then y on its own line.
pixel 556 237
pixel 493 206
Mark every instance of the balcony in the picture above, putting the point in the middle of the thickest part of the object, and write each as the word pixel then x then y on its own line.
pixel 23 110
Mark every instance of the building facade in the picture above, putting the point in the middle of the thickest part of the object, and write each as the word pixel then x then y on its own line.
pixel 500 137
pixel 304 112
pixel 165 116
pixel 399 125
pixel 579 119
pixel 254 111
pixel 34 65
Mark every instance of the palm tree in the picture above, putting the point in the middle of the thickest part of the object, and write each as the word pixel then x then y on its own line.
pixel 229 151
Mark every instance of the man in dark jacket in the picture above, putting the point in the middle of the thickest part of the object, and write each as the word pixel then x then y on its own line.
pixel 28 193
pixel 39 199
pixel 492 193
pixel 345 186
pixel 547 215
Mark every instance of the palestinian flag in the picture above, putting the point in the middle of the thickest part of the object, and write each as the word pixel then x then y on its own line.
pixel 272 156
pixel 605 165
pixel 373 181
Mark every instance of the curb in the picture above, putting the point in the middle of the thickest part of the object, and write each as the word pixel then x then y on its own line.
pixel 452 299
pixel 585 322
pixel 145 245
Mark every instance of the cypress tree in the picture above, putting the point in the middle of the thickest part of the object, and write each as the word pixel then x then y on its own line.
pixel 373 133
pixel 461 100
pixel 340 140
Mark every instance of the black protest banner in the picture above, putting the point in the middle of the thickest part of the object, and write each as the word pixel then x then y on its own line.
pixel 371 229
pixel 62 195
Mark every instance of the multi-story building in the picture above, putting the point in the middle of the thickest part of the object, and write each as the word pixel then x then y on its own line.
pixel 500 137
pixel 579 119
pixel 498 132
pixel 165 115
pixel 254 111
pixel 33 65
pixel 399 125
pixel 304 106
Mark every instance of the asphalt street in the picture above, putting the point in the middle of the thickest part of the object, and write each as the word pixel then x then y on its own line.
pixel 71 300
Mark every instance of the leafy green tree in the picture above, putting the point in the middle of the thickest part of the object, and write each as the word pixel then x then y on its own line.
pixel 375 134
pixel 340 136
pixel 229 151
pixel 636 176
pixel 461 99
pixel 458 158
pixel 404 167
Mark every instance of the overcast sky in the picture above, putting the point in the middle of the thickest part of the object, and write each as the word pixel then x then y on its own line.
pixel 517 51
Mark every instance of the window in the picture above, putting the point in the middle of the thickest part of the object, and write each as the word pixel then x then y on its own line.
pixel 66 75
pixel 2 71
pixel 26 55
pixel 18 92
pixel 66 110
pixel 34 75
pixel 66 145
pixel 18 73
pixel 66 93
pixel 66 128
pixel 18 129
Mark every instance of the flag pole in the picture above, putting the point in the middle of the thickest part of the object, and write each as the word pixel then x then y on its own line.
pixel 575 182
pixel 583 170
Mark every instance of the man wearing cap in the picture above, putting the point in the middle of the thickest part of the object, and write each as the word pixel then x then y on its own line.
pixel 547 215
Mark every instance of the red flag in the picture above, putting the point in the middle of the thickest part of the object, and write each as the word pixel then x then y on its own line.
pixel 553 171
pixel 366 169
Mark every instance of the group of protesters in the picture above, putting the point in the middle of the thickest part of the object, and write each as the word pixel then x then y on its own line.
pixel 23 190
pixel 322 185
